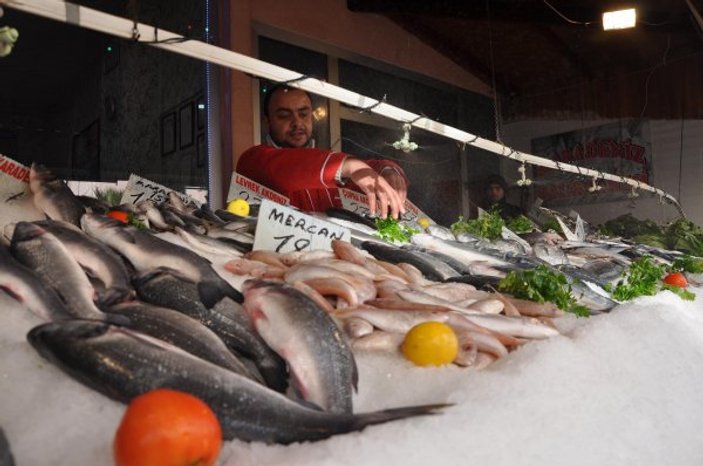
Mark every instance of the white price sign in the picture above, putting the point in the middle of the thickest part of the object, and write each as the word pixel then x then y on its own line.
pixel 283 229
pixel 356 202
pixel 140 189
pixel 252 192
pixel 14 178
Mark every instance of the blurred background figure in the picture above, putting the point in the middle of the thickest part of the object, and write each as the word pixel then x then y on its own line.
pixel 495 188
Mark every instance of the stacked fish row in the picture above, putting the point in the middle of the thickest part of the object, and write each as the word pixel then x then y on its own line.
pixel 377 302
pixel 128 312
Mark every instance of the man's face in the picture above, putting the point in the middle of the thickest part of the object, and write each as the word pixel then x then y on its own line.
pixel 289 118
pixel 495 192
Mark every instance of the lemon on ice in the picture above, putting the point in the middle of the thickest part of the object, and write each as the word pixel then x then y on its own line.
pixel 424 222
pixel 430 344
pixel 238 207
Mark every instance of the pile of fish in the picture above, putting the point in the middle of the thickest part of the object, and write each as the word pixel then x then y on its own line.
pixel 127 312
pixel 268 342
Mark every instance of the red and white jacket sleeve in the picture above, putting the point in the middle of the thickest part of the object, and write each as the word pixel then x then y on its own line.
pixel 295 169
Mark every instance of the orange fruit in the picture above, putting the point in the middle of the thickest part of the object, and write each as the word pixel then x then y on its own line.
pixel 676 279
pixel 167 428
pixel 119 215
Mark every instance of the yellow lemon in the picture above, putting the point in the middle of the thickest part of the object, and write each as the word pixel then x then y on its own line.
pixel 430 344
pixel 238 207
pixel 424 222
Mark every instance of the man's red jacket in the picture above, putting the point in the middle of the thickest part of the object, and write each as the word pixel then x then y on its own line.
pixel 305 175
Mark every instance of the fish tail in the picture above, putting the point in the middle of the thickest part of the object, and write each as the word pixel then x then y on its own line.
pixel 387 415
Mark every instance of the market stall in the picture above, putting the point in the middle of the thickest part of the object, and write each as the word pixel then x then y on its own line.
pixel 570 344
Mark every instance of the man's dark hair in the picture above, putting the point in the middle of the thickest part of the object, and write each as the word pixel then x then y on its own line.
pixel 496 179
pixel 269 91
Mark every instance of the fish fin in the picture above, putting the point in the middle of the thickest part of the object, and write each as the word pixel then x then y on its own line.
pixel 113 296
pixel 116 319
pixel 209 293
pixel 379 417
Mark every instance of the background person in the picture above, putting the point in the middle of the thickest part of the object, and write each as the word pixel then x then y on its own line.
pixel 290 164
pixel 494 190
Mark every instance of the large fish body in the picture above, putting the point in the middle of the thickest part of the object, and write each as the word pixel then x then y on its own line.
pixel 460 251
pixel 431 267
pixel 146 252
pixel 122 366
pixel 322 366
pixel 227 319
pixel 23 285
pixel 53 197
pixel 42 252
pixel 98 260
pixel 182 331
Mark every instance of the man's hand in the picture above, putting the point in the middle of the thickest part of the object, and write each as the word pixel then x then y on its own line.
pixel 397 182
pixel 380 194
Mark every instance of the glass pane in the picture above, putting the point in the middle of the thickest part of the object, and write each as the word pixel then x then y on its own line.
pixel 435 169
pixel 94 107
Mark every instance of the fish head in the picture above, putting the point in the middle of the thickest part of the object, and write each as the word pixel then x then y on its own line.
pixel 104 228
pixel 50 337
pixel 38 176
pixel 26 231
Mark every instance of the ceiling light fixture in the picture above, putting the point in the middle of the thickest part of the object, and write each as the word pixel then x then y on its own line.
pixel 619 19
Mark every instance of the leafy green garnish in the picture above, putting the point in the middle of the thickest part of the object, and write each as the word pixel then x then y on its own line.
pixel 134 221
pixel 552 224
pixel 643 278
pixel 688 264
pixel 540 285
pixel 489 226
pixel 520 224
pixel 683 293
pixel 390 229
pixel 112 197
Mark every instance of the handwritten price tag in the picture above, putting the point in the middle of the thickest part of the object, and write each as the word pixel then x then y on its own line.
pixel 283 229
pixel 252 192
pixel 140 189
pixel 356 202
pixel 14 177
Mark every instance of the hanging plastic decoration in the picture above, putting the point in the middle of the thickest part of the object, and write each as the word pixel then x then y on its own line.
pixel 8 37
pixel 595 187
pixel 404 143
pixel 524 181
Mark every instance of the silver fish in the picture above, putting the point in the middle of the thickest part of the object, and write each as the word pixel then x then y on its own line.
pixel 42 252
pixel 460 251
pixel 53 197
pixel 182 331
pixel 322 366
pixel 23 285
pixel 431 267
pixel 147 252
pixel 226 318
pixel 122 365
pixel 98 260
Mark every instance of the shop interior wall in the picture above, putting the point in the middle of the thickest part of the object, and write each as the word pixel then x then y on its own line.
pixel 677 166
